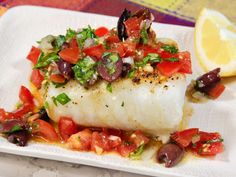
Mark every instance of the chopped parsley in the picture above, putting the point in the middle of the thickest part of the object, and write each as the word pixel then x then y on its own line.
pixel 86 33
pixel 144 35
pixel 15 128
pixel 85 69
pixel 173 59
pixel 58 85
pixel 150 58
pixel 61 98
pixel 54 100
pixel 59 41
pixel 131 73
pixel 112 59
pixel 45 60
pixel 70 34
pixel 109 87
pixel 215 140
pixel 46 105
pixel 170 48
pixel 136 155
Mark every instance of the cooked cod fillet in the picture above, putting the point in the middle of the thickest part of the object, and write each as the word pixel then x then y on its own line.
pixel 146 103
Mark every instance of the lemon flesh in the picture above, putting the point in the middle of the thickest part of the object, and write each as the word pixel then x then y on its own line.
pixel 215 42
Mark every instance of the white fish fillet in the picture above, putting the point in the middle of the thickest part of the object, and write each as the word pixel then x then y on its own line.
pixel 151 106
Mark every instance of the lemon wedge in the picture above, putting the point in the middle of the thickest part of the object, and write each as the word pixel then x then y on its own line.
pixel 215 42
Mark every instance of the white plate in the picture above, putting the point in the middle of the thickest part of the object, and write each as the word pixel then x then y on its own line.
pixel 21 26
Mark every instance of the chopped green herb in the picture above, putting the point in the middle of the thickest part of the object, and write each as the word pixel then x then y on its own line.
pixel 86 33
pixel 109 87
pixel 15 128
pixel 46 105
pixel 136 155
pixel 111 70
pixel 46 60
pixel 70 34
pixel 106 54
pixel 170 48
pixel 59 41
pixel 123 103
pixel 54 100
pixel 58 85
pixel 112 58
pixel 18 105
pixel 215 140
pixel 62 98
pixel 144 35
pixel 131 73
pixel 150 58
pixel 173 59
pixel 84 70
pixel 153 58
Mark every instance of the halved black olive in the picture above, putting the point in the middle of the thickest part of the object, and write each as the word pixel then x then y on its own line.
pixel 121 26
pixel 20 138
pixel 208 80
pixel 170 154
pixel 110 67
pixel 65 68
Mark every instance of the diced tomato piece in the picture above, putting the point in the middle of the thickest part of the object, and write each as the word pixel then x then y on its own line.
pixel 105 141
pixel 25 95
pixel 85 138
pixel 210 144
pixel 67 127
pixel 20 112
pixel 34 55
pixel 118 48
pixel 216 91
pixel 130 48
pixel 102 31
pixel 208 149
pixel 36 78
pixel 166 55
pixel 138 138
pixel 2 115
pixel 95 51
pixel 57 78
pixel 168 68
pixel 146 49
pixel 44 130
pixel 124 49
pixel 112 39
pixel 114 141
pixel 132 26
pixel 70 55
pixel 100 142
pixel 187 66
pixel 81 140
pixel 126 148
pixel 205 136
pixel 185 137
pixel 73 43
